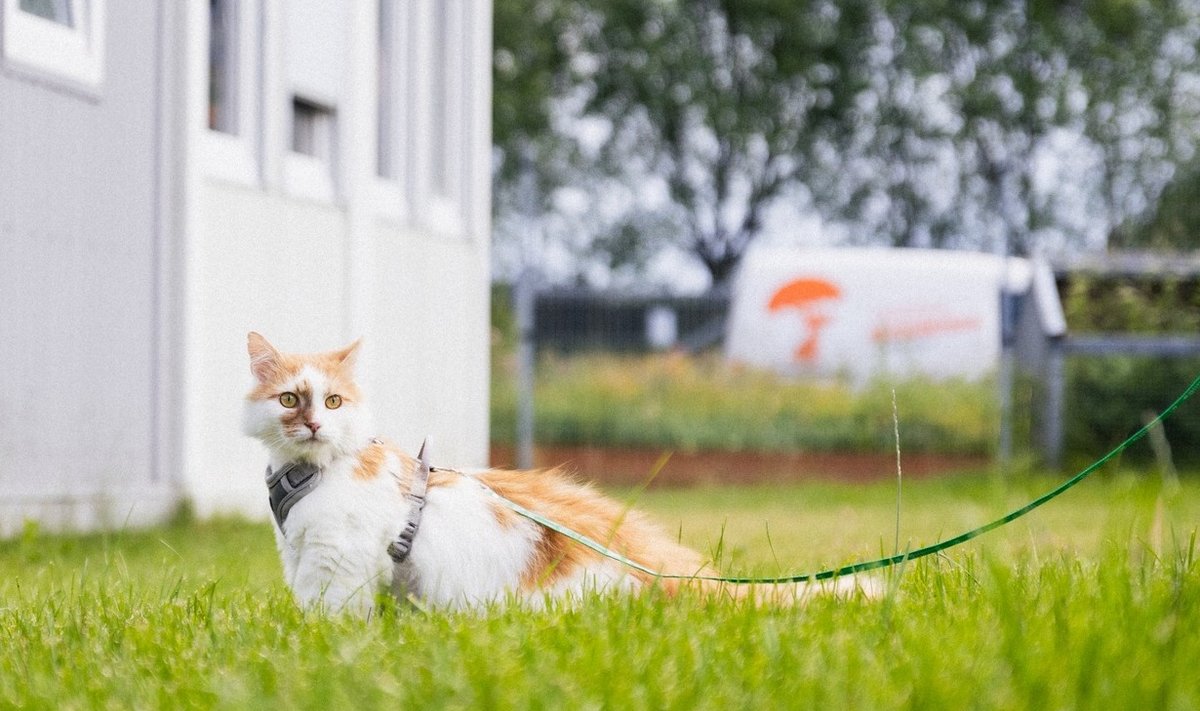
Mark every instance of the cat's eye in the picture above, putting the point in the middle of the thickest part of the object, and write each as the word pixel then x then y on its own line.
pixel 289 400
pixel 333 402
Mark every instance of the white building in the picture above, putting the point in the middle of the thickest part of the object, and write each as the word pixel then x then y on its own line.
pixel 173 175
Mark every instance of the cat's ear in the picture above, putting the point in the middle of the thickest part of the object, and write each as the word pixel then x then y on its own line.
pixel 264 359
pixel 348 356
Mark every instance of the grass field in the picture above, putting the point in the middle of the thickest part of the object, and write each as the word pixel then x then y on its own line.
pixel 1091 602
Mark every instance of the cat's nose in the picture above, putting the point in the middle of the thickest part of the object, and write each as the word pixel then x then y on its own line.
pixel 313 426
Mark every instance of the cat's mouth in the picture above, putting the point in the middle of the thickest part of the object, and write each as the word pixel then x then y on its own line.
pixel 310 438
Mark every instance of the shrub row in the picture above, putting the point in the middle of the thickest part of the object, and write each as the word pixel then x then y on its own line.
pixel 705 403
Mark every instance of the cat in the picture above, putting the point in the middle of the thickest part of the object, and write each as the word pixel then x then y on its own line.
pixel 469 549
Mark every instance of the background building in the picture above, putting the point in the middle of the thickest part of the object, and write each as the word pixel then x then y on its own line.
pixel 175 175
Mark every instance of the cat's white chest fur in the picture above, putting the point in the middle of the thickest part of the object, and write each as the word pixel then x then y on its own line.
pixel 334 543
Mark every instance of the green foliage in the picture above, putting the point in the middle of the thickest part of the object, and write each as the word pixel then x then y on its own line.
pixel 1132 305
pixel 1137 84
pixel 1108 396
pixel 1174 224
pixel 704 403
pixel 912 122
pixel 1092 604
pixel 530 67
pixel 726 101
pixel 503 322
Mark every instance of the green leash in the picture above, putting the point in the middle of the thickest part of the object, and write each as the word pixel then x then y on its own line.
pixel 865 565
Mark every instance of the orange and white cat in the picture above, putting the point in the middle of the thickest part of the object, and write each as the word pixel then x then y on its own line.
pixel 469 548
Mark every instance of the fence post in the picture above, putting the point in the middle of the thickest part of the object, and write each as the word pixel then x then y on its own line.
pixel 1044 350
pixel 1006 376
pixel 524 295
pixel 1053 407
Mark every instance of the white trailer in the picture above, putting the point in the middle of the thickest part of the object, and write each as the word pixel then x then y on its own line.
pixel 858 313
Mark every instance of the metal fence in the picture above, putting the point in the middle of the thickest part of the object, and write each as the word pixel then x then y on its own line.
pixel 1043 348
pixel 1038 347
pixel 570 320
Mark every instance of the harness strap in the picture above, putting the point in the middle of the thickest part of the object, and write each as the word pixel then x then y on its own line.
pixel 287 486
pixel 402 546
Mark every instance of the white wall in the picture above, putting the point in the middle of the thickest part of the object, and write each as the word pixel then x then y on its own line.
pixel 429 343
pixel 313 271
pixel 137 248
pixel 261 262
pixel 84 188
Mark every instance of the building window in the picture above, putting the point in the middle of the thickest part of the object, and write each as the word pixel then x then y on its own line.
pixel 312 160
pixel 312 129
pixel 448 104
pixel 58 11
pixel 62 38
pixel 318 44
pixel 443 93
pixel 395 46
pixel 387 71
pixel 222 66
pixel 233 110
pixel 446 122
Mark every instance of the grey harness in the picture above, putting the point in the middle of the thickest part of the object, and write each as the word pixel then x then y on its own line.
pixel 295 480
pixel 291 483
pixel 402 546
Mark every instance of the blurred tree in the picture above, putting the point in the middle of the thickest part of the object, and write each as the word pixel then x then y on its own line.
pixel 895 162
pixel 972 99
pixel 916 122
pixel 727 101
pixel 530 70
pixel 1174 223
pixel 1137 64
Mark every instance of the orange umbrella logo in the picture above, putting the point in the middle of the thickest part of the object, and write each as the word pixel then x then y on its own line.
pixel 808 296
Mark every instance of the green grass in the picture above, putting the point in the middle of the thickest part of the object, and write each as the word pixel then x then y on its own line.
pixel 1091 602
pixel 707 404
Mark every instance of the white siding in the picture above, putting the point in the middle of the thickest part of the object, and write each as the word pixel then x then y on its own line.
pixel 137 248
pixel 261 262
pixel 430 342
pixel 81 264
pixel 313 272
